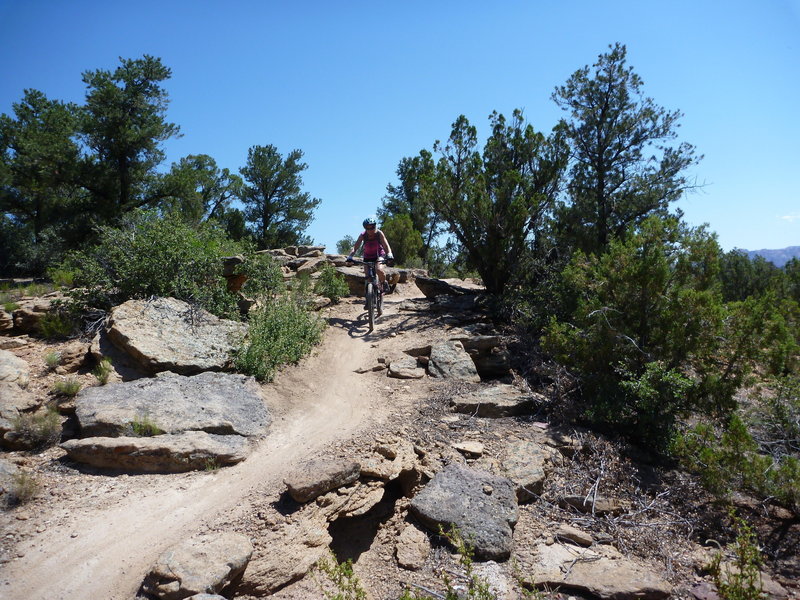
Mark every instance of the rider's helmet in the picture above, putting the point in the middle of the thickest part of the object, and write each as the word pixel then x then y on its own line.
pixel 370 220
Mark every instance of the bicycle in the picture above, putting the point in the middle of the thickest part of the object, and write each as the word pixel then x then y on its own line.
pixel 373 291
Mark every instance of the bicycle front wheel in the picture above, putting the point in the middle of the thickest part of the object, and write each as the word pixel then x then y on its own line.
pixel 371 305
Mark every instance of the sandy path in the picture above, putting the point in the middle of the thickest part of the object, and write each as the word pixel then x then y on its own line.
pixel 105 548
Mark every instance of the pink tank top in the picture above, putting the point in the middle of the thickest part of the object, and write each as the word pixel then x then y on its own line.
pixel 372 247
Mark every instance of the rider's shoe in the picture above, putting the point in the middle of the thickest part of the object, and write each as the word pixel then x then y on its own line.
pixel 385 287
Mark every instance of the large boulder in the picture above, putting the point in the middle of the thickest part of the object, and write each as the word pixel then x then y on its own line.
pixel 166 334
pixel 449 360
pixel 13 369
pixel 205 564
pixel 601 571
pixel 482 506
pixel 220 403
pixel 178 453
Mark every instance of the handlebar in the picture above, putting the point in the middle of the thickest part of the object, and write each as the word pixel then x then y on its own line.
pixel 381 259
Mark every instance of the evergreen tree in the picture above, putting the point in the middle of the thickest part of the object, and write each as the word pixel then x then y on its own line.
pixel 496 203
pixel 38 157
pixel 275 206
pixel 623 168
pixel 123 128
pixel 411 196
pixel 199 189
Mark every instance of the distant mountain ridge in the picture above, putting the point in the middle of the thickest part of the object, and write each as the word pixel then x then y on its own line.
pixel 776 257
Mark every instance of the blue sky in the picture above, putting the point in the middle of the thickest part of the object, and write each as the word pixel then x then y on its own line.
pixel 359 85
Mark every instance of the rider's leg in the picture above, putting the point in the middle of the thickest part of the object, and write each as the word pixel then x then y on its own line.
pixel 366 275
pixel 382 277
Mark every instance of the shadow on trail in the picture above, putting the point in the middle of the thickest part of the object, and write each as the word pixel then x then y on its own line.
pixel 385 325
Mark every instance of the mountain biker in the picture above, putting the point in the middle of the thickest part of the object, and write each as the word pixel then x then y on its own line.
pixel 375 247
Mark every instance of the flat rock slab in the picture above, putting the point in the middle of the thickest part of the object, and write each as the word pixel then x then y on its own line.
pixel 604 573
pixel 205 564
pixel 496 401
pixel 524 463
pixel 406 368
pixel 166 334
pixel 449 360
pixel 13 369
pixel 482 506
pixel 189 451
pixel 220 403
pixel 321 476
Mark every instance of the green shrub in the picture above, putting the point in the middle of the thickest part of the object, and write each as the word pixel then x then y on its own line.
pixel 742 580
pixel 331 284
pixel 62 277
pixel 264 277
pixel 10 306
pixel 68 387
pixel 280 332
pixel 56 324
pixel 732 461
pixel 24 488
pixel 150 255
pixel 648 339
pixel 346 584
pixel 103 371
pixel 52 360
pixel 39 429
pixel 144 426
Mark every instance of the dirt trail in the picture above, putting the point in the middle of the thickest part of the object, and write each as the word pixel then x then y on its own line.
pixel 104 540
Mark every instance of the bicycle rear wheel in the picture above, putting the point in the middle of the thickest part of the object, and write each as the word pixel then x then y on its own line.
pixel 371 305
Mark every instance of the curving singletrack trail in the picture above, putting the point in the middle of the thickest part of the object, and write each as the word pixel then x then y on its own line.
pixel 102 549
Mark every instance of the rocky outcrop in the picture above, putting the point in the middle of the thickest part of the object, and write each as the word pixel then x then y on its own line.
pixel 220 403
pixel 602 572
pixel 31 310
pixel 14 400
pixel 6 320
pixel 499 400
pixel 205 564
pixel 432 287
pixel 169 453
pixel 13 369
pixel 286 554
pixel 449 360
pixel 166 334
pixel 321 476
pixel 482 506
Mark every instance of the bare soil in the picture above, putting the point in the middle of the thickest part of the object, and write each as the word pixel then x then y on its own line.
pixel 93 535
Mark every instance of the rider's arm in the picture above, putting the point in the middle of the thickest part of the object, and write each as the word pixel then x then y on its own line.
pixel 357 244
